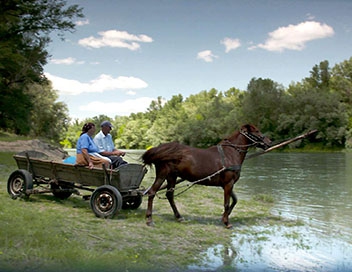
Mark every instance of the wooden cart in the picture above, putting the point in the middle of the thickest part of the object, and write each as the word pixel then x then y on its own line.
pixel 112 190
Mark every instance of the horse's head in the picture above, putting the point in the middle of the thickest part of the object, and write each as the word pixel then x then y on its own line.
pixel 255 136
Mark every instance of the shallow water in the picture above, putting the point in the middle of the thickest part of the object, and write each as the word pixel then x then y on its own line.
pixel 313 188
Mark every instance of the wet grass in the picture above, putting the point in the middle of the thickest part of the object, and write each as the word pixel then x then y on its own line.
pixel 47 234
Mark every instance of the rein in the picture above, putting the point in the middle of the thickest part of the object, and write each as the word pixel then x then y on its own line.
pixel 189 185
pixel 237 147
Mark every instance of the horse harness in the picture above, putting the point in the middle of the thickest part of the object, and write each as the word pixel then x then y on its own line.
pixel 235 168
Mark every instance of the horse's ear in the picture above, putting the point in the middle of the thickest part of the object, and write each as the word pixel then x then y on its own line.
pixel 246 128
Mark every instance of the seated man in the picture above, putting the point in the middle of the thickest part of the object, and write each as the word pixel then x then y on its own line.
pixel 103 141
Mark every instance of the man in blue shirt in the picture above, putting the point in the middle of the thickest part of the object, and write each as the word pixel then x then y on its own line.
pixel 106 147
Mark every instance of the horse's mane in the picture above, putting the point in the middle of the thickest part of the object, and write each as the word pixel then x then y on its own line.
pixel 165 152
pixel 230 137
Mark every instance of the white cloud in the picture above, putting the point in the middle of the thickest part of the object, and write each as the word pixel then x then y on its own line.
pixel 66 61
pixel 82 22
pixel 115 38
pixel 310 16
pixel 230 44
pixel 102 83
pixel 118 108
pixel 206 55
pixel 294 37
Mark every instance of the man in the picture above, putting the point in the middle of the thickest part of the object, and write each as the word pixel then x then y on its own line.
pixel 106 146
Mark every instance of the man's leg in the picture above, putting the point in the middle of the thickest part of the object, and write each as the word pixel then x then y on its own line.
pixel 116 161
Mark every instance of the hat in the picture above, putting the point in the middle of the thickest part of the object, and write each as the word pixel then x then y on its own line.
pixel 106 124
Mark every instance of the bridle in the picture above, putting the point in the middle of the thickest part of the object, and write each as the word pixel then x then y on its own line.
pixel 255 140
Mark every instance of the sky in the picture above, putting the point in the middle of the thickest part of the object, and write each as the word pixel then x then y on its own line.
pixel 125 54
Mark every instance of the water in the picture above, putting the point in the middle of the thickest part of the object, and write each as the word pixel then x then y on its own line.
pixel 313 188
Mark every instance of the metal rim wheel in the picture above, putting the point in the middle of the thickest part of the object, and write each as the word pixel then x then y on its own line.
pixel 132 202
pixel 19 182
pixel 106 201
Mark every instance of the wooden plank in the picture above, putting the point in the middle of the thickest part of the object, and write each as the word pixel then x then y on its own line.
pixel 126 177
pixel 300 137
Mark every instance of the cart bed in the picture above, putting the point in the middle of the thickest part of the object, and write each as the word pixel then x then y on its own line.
pixel 124 178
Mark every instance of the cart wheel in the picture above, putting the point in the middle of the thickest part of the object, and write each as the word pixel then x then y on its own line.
pixel 19 182
pixel 106 201
pixel 60 194
pixel 132 202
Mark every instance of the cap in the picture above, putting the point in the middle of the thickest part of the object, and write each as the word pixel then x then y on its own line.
pixel 106 124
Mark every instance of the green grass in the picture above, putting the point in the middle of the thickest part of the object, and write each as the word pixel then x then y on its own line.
pixel 9 137
pixel 47 234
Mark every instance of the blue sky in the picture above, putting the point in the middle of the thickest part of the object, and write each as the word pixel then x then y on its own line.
pixel 124 54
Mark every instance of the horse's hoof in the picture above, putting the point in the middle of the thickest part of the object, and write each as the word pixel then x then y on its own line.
pixel 181 219
pixel 229 226
pixel 150 224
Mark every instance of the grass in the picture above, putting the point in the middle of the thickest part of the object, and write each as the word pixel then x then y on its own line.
pixel 9 137
pixel 47 234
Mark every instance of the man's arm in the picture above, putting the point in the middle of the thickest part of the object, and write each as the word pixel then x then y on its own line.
pixel 115 152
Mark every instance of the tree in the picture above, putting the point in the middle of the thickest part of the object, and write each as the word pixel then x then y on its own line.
pixel 341 83
pixel 154 109
pixel 205 114
pixel 312 105
pixel 167 125
pixel 24 34
pixel 262 104
pixel 48 118
pixel 134 134
pixel 232 110
pixel 319 76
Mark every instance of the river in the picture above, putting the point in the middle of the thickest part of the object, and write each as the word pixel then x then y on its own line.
pixel 315 188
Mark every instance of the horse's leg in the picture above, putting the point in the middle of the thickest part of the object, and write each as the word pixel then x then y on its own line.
pixel 171 182
pixel 151 194
pixel 227 208
pixel 234 201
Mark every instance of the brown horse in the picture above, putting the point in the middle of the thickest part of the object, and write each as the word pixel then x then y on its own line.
pixel 218 165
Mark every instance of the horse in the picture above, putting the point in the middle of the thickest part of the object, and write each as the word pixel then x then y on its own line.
pixel 218 165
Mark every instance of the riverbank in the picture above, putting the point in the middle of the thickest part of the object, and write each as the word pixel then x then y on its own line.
pixel 14 143
pixel 47 234
pixel 270 220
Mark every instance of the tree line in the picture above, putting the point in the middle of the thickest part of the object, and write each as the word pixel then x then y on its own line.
pixel 321 101
pixel 29 106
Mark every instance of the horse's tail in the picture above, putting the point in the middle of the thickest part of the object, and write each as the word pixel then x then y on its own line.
pixel 163 153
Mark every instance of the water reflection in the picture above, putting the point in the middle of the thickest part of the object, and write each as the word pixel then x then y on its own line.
pixel 315 188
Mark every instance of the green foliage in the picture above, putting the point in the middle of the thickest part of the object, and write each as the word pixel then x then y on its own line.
pixel 312 105
pixel 134 134
pixel 72 134
pixel 204 112
pixel 24 35
pixel 28 103
pixel 168 122
pixel 262 105
pixel 319 76
pixel 321 101
pixel 48 118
